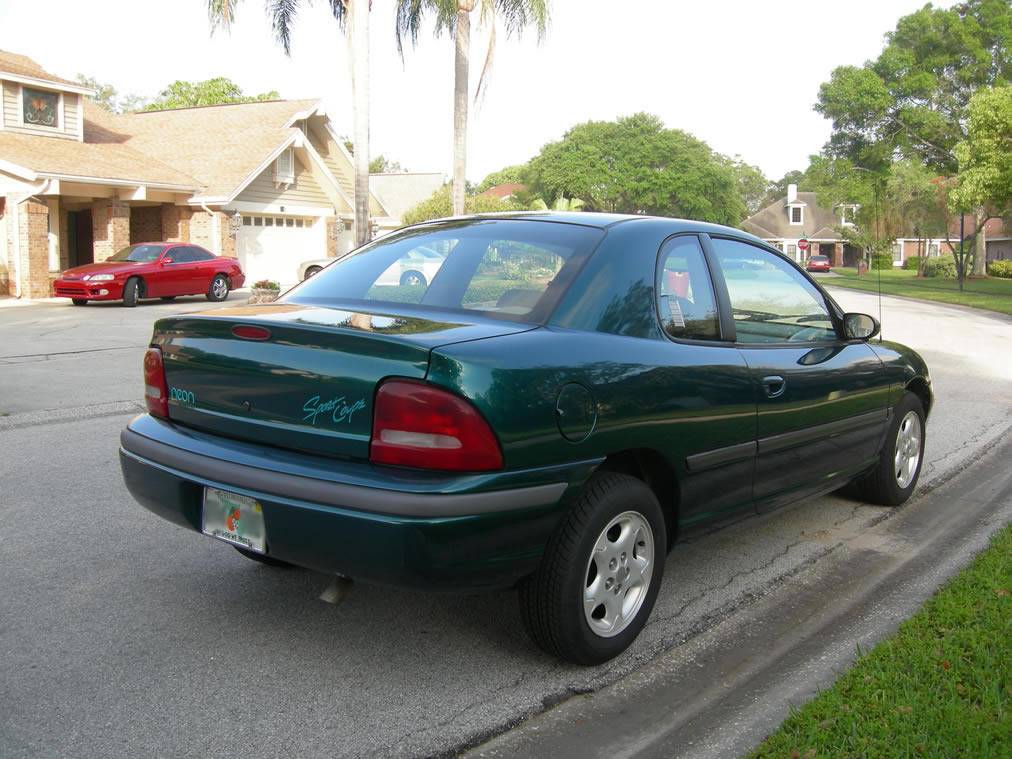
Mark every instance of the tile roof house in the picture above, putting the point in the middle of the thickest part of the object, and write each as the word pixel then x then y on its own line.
pixel 269 182
pixel 799 217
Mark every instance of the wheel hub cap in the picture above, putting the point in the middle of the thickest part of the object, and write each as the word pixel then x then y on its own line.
pixel 619 571
pixel 908 449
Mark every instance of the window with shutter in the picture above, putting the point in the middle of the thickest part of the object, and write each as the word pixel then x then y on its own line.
pixel 284 168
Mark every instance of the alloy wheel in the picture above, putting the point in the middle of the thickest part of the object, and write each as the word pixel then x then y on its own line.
pixel 908 449
pixel 619 572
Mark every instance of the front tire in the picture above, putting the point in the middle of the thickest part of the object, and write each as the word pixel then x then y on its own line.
pixel 600 574
pixel 79 301
pixel 131 292
pixel 312 271
pixel 413 279
pixel 894 478
pixel 218 290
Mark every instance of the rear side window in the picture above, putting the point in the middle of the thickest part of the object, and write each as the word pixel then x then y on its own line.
pixel 198 254
pixel 504 268
pixel 686 302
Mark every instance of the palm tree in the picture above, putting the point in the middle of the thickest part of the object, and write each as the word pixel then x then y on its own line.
pixel 353 18
pixel 454 17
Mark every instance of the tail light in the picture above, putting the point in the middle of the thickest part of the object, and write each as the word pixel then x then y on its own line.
pixel 156 390
pixel 418 425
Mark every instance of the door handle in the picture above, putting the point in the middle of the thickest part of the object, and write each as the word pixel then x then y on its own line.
pixel 774 385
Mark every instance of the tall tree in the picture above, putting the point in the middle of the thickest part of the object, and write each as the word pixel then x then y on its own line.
pixel 454 18
pixel 753 186
pixel 181 94
pixel 352 17
pixel 636 165
pixel 912 100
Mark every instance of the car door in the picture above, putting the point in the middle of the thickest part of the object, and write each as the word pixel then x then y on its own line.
pixel 822 400
pixel 708 388
pixel 203 267
pixel 160 279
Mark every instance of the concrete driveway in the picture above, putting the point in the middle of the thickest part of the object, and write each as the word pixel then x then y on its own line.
pixel 122 635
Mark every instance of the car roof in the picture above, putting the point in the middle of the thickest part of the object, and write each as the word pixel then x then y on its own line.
pixel 602 220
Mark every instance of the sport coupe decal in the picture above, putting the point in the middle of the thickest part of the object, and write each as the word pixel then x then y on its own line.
pixel 338 408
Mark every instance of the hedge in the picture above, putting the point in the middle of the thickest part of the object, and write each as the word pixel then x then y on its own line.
pixel 943 267
pixel 1001 269
pixel 882 261
pixel 912 263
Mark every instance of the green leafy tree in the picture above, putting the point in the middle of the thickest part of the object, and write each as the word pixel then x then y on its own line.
pixel 383 165
pixel 752 184
pixel 108 98
pixel 454 18
pixel 352 17
pixel 912 100
pixel 215 91
pixel 983 184
pixel 636 165
pixel 778 189
pixel 440 205
pixel 508 175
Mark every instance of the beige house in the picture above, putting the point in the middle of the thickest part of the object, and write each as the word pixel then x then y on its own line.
pixel 268 182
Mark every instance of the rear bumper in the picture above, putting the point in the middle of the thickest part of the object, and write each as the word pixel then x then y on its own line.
pixel 410 529
pixel 77 288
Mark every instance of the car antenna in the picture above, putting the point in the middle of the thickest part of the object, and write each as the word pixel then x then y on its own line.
pixel 880 303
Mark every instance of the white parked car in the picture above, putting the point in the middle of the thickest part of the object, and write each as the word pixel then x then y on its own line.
pixel 418 267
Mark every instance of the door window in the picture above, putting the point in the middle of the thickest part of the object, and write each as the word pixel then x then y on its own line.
pixel 178 255
pixel 685 295
pixel 771 301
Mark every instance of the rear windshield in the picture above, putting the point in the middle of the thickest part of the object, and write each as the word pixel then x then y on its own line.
pixel 818 259
pixel 137 253
pixel 503 268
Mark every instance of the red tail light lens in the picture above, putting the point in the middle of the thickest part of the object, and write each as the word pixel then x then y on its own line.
pixel 418 425
pixel 156 390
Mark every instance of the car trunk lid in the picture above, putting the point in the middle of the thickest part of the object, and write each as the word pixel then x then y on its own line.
pixel 295 376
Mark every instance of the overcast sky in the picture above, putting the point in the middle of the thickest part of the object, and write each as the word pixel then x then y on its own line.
pixel 740 75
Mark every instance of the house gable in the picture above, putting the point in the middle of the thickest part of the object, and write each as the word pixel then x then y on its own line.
pixel 304 191
pixel 33 101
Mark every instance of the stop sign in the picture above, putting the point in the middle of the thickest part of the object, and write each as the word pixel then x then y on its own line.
pixel 802 244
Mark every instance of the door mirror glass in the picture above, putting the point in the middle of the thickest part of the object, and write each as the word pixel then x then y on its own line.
pixel 167 260
pixel 860 326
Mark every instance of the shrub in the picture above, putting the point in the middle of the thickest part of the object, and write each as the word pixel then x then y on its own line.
pixel 913 263
pixel 266 284
pixel 1001 269
pixel 943 267
pixel 882 261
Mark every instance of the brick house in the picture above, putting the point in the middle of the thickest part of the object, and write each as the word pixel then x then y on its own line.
pixel 269 182
pixel 798 216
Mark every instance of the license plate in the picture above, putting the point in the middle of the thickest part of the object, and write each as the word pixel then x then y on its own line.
pixel 234 518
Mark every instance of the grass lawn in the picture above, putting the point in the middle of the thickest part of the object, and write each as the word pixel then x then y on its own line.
pixel 992 293
pixel 939 687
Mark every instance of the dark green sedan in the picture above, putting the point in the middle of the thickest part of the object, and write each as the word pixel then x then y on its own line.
pixel 550 410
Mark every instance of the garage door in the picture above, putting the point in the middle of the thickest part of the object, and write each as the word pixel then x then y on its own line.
pixel 272 247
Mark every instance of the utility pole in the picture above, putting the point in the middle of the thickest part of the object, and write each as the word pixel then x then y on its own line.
pixel 962 261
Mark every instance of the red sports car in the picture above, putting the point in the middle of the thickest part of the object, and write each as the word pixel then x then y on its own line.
pixel 818 263
pixel 152 270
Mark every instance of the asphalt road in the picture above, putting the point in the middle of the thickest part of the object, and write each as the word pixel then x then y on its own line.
pixel 121 635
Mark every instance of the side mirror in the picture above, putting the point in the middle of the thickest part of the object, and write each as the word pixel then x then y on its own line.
pixel 860 326
pixel 167 260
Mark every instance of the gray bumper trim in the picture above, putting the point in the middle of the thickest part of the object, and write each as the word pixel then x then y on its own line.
pixel 373 500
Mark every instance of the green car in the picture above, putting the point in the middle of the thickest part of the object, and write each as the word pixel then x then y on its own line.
pixel 550 410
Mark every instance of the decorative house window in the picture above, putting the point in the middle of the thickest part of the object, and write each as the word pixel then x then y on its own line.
pixel 284 168
pixel 796 215
pixel 40 108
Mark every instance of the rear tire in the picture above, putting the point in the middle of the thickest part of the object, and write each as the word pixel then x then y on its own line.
pixel 218 289
pixel 131 292
pixel 263 558
pixel 894 478
pixel 79 301
pixel 600 574
pixel 312 271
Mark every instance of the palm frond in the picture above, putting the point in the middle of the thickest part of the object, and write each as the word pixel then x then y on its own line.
pixel 339 10
pixel 486 69
pixel 517 15
pixel 411 13
pixel 221 13
pixel 282 16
